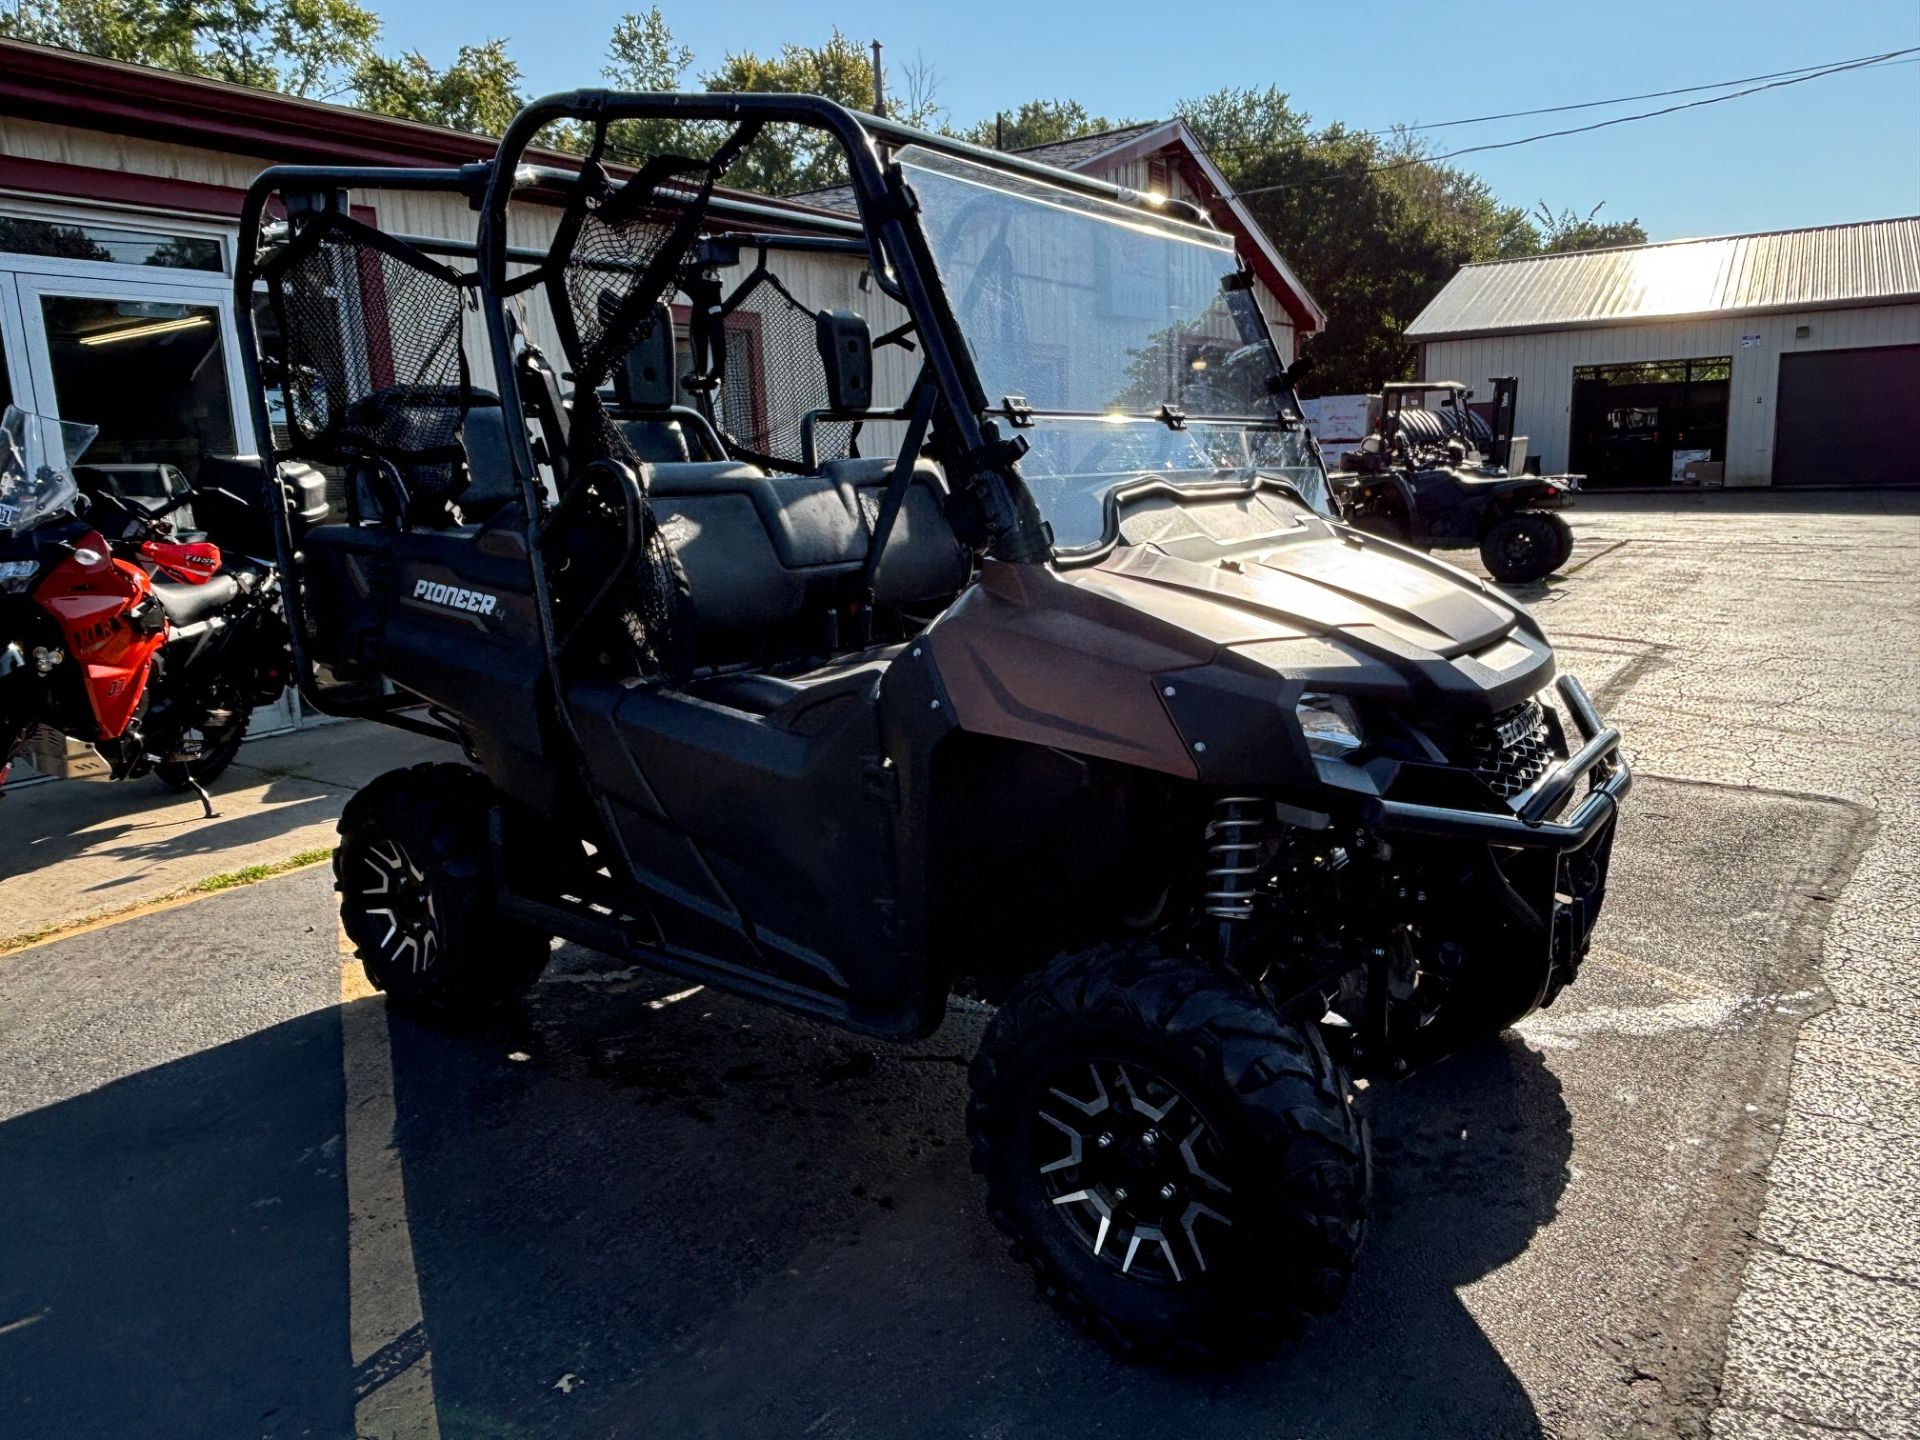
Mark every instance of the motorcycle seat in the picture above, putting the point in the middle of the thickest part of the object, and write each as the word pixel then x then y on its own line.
pixel 187 604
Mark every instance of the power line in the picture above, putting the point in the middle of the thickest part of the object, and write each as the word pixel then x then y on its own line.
pixel 1864 61
pixel 1795 79
pixel 1802 70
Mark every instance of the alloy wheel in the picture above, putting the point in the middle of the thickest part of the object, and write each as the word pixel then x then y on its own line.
pixel 399 894
pixel 1136 1174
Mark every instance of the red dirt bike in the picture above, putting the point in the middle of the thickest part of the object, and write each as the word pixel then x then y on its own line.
pixel 152 646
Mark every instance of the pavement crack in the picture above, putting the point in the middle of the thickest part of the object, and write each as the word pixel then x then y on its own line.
pixel 1871 1276
pixel 1825 1426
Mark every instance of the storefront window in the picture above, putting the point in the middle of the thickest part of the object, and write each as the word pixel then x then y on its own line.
pixel 109 244
pixel 151 374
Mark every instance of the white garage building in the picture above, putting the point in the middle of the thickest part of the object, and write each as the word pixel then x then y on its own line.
pixel 1790 358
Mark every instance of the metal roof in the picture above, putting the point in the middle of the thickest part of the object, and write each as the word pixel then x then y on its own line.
pixel 1872 262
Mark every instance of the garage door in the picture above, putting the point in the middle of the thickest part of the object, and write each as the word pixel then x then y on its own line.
pixel 1846 417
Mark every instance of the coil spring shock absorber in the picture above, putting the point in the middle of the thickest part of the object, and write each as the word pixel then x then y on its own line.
pixel 1234 837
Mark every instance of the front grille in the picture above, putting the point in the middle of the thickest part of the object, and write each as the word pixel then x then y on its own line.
pixel 1513 750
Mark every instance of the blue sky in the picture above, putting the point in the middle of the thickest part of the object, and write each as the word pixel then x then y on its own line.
pixel 1836 149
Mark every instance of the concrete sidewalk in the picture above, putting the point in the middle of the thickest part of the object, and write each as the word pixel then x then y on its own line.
pixel 72 850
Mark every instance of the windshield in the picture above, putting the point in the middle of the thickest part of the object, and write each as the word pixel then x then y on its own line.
pixel 1088 306
pixel 1094 315
pixel 35 453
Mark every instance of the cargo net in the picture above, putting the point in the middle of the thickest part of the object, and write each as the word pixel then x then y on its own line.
pixel 777 337
pixel 617 255
pixel 374 362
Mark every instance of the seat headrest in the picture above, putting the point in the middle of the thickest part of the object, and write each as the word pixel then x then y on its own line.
pixel 644 379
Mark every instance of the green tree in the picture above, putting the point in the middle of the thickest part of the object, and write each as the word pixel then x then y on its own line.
pixel 788 160
pixel 1570 230
pixel 1038 122
pixel 643 55
pixel 479 92
pixel 302 47
pixel 1373 227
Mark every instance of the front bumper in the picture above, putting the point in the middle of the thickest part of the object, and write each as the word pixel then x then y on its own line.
pixel 1598 761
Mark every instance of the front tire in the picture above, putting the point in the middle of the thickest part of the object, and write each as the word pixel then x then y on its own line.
pixel 1181 1167
pixel 416 897
pixel 1523 546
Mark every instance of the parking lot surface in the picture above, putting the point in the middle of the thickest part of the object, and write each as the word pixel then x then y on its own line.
pixel 240 1200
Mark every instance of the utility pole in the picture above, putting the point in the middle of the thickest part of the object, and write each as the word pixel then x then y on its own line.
pixel 1000 130
pixel 879 84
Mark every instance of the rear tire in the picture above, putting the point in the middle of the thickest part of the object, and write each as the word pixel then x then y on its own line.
pixel 1565 533
pixel 218 749
pixel 1524 546
pixel 417 897
pixel 1208 1243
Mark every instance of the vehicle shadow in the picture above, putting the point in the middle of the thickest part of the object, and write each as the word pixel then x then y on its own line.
pixel 173 1257
pixel 722 1222
pixel 642 1211
pixel 130 826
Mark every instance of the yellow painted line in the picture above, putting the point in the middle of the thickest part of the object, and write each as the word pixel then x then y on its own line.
pixel 393 1366
pixel 19 944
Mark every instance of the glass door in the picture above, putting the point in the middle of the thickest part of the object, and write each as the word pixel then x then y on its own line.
pixel 16 384
pixel 155 366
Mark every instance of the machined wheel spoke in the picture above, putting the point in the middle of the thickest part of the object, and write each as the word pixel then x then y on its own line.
pixel 1133 1095
pixel 393 925
pixel 1194 1212
pixel 1193 1165
pixel 1087 1107
pixel 1074 1142
pixel 1153 1233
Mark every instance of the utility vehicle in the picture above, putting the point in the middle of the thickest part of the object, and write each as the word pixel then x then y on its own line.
pixel 1444 479
pixel 1070 694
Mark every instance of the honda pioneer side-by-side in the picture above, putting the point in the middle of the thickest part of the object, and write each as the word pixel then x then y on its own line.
pixel 855 610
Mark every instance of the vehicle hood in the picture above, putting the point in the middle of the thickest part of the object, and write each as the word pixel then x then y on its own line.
pixel 1329 604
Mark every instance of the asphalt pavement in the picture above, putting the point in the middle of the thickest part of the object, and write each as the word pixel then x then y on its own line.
pixel 238 1199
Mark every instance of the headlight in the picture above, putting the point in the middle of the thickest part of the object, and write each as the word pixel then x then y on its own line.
pixel 1331 727
pixel 16 575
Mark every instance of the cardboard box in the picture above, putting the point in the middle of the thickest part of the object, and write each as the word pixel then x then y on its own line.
pixel 1706 472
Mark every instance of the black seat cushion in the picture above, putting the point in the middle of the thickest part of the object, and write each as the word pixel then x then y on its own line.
pixel 657 440
pixel 923 560
pixel 186 603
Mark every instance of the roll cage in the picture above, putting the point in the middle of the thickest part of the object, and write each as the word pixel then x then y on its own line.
pixel 967 430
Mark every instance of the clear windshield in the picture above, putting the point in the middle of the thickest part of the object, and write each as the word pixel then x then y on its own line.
pixel 1095 315
pixel 35 481
pixel 1089 306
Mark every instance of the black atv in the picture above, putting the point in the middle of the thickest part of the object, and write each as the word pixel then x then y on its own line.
pixel 1005 654
pixel 1439 479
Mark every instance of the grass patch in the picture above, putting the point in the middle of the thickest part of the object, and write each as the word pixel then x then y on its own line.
pixel 248 874
pixel 228 880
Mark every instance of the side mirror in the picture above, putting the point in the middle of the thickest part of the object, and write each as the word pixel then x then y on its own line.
pixel 846 354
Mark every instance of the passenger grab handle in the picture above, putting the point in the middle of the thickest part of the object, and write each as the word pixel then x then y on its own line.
pixel 633 507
